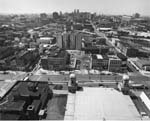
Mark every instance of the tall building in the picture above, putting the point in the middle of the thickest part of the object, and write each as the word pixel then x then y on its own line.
pixel 55 15
pixel 43 15
pixel 73 41
pixel 60 13
pixel 78 41
pixel 65 37
pixel 70 40
pixel 59 40
pixel 78 11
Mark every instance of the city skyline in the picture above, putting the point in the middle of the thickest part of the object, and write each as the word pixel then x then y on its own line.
pixel 115 7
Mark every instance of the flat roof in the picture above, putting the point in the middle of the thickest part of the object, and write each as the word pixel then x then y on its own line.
pixel 99 56
pixel 56 107
pixel 5 86
pixel 105 29
pixel 46 38
pixel 20 87
pixel 112 57
pixel 103 104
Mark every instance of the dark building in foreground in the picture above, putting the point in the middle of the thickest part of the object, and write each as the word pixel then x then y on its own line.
pixel 24 101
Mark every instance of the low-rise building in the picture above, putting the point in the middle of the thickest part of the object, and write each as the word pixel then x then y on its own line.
pixel 124 61
pixel 114 64
pixel 143 64
pixel 55 60
pixel 22 60
pixel 127 49
pixel 26 60
pixel 99 49
pixel 45 40
pixel 100 62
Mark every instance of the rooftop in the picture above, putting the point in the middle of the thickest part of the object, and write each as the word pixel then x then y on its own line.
pixel 112 57
pixel 102 104
pixel 5 86
pixel 46 38
pixel 99 56
pixel 61 53
pixel 22 95
pixel 55 51
pixel 126 44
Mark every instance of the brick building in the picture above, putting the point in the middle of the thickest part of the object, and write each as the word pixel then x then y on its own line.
pixel 55 60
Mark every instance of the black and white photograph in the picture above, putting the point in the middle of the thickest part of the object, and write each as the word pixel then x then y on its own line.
pixel 75 60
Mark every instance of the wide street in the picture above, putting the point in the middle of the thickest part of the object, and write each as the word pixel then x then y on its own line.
pixel 13 76
pixel 136 78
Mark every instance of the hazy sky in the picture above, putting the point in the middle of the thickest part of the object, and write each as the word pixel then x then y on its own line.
pixel 98 6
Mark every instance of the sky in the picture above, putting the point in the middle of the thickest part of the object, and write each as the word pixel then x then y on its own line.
pixel 115 7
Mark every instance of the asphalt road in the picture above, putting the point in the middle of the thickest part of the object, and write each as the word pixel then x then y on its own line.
pixel 136 78
pixel 12 76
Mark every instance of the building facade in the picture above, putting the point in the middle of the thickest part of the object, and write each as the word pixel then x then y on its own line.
pixel 114 64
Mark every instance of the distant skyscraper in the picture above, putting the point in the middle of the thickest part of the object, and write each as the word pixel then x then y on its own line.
pixel 43 15
pixel 55 15
pixel 60 13
pixel 78 11
pixel 75 11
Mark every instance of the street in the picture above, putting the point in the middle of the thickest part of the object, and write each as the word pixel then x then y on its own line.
pixel 136 78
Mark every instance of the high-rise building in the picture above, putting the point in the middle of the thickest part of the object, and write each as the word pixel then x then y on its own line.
pixel 43 15
pixel 70 40
pixel 55 15
pixel 59 40
pixel 75 11
pixel 73 41
pixel 65 37
pixel 78 41
pixel 60 13
pixel 78 11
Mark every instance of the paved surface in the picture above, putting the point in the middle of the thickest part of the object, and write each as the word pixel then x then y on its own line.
pixel 136 78
pixel 12 76
pixel 56 107
pixel 81 77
